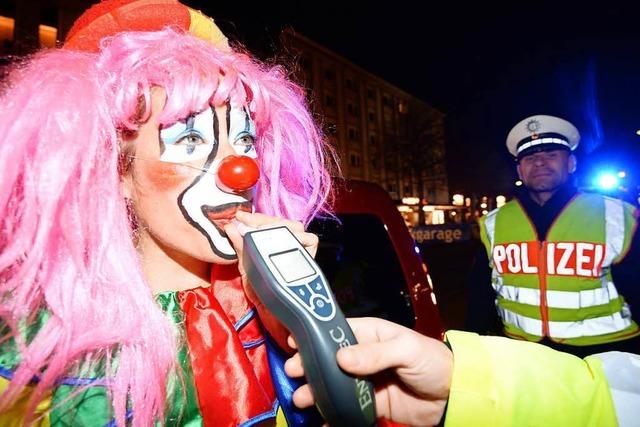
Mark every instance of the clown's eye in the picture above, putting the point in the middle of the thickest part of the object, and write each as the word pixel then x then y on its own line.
pixel 245 140
pixel 192 138
pixel 191 141
pixel 186 146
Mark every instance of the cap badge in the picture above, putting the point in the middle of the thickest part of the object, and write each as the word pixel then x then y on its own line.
pixel 533 126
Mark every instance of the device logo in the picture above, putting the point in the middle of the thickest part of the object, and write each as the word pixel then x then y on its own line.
pixel 315 297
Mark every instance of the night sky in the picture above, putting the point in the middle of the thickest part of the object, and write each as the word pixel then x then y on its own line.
pixel 485 66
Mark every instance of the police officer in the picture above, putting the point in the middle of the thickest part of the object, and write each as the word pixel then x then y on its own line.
pixel 557 266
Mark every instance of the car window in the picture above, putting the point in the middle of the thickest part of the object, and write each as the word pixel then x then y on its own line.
pixel 362 267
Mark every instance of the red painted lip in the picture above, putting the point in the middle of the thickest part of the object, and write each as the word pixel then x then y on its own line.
pixel 223 214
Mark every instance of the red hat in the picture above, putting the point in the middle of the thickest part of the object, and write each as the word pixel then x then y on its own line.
pixel 111 17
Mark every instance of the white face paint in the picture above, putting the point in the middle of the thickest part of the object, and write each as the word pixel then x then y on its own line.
pixel 242 133
pixel 189 140
pixel 202 141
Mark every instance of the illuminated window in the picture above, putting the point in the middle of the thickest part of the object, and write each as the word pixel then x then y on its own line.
pixel 47 35
pixel 437 217
pixel 6 29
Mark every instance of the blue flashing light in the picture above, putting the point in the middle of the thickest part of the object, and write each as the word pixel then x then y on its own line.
pixel 607 181
pixel 417 249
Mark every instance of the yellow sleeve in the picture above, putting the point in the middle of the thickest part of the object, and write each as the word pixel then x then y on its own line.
pixel 14 416
pixel 503 382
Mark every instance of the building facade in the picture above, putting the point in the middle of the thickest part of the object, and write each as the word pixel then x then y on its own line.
pixel 381 133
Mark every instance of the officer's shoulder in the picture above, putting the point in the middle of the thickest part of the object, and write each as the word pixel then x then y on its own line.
pixel 603 197
pixel 513 203
pixel 491 214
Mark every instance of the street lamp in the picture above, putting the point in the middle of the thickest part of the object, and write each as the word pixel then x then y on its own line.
pixel 410 200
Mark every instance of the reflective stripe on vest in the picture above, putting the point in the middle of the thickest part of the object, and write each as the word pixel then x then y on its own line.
pixel 558 299
pixel 490 224
pixel 583 328
pixel 614 229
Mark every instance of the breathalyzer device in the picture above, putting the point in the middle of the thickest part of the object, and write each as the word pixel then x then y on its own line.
pixel 290 284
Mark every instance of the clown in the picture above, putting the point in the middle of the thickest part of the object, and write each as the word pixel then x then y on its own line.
pixel 130 159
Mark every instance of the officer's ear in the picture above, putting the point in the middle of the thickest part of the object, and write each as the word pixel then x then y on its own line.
pixel 518 169
pixel 573 163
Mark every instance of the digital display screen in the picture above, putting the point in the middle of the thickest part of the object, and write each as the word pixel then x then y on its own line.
pixel 292 265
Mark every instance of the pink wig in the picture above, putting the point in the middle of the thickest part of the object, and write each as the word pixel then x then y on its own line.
pixel 66 241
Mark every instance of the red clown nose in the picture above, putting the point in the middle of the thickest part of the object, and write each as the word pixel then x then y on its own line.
pixel 237 174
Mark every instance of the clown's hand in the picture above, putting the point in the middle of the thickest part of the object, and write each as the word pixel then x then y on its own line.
pixel 245 221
